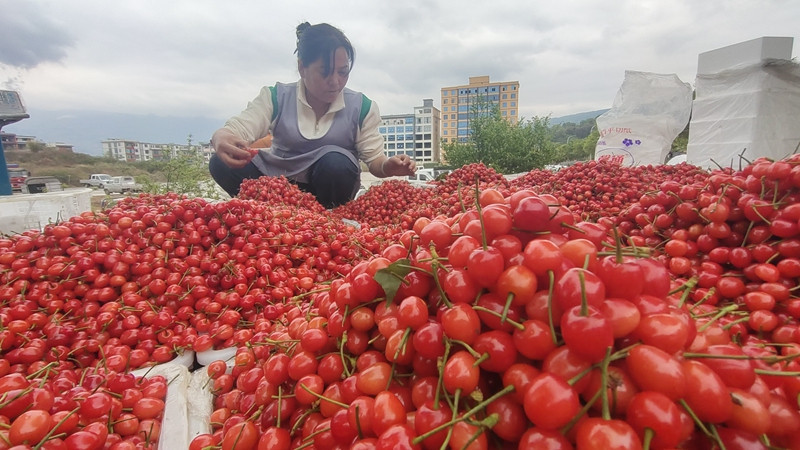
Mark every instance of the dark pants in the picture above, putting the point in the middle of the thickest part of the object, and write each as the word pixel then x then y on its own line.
pixel 333 179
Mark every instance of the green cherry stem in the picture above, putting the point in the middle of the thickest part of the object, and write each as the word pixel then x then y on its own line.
pixel 552 277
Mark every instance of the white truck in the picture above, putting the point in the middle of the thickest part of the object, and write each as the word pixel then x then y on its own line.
pixel 96 179
pixel 120 185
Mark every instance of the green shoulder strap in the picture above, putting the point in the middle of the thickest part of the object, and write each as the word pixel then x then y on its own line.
pixel 274 91
pixel 366 104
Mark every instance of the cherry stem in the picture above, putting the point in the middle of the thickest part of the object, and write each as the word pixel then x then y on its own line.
pixel 50 434
pixel 564 430
pixel 722 312
pixel 440 366
pixel 617 245
pixel 480 210
pixel 303 417
pixel 280 403
pixel 604 383
pixel 688 285
pixel 552 277
pixel 358 423
pixel 695 418
pixel 716 437
pixel 509 299
pixel 513 323
pixel 454 416
pixel 479 407
pixel 323 398
pixel 403 343
pixel 648 437
pixel 584 301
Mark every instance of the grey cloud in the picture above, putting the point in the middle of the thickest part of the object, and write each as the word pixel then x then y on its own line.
pixel 29 36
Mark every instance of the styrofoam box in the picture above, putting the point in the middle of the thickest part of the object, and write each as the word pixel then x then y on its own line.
pixel 200 404
pixel 186 359
pixel 175 422
pixel 24 212
pixel 207 357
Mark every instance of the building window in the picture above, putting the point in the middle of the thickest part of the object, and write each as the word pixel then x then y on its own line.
pixel 444 132
pixel 409 129
pixel 453 92
pixel 505 96
pixel 400 145
pixel 504 112
pixel 452 124
pixel 505 88
pixel 391 146
pixel 427 137
pixel 513 104
pixel 390 130
pixel 462 125
pixel 391 137
pixel 409 120
pixel 427 110
pixel 409 137
pixel 427 145
pixel 419 129
pixel 445 101
pixel 426 128
pixel 444 124
pixel 419 145
pixel 399 137
pixel 444 109
pixel 514 88
pixel 382 130
pixel 513 112
pixel 513 95
pixel 419 137
pixel 505 105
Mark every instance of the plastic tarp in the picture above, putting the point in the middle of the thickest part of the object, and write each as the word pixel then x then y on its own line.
pixel 753 111
pixel 175 422
pixel 649 112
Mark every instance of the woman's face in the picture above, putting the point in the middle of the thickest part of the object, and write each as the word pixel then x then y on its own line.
pixel 322 88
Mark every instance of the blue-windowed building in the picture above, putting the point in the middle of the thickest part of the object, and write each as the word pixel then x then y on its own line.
pixel 415 134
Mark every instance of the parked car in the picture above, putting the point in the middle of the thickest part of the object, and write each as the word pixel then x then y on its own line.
pixel 96 179
pixel 17 176
pixel 120 185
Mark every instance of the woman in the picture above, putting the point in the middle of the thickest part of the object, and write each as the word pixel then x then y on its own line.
pixel 320 129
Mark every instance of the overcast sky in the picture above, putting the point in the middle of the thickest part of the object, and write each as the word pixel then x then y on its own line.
pixel 209 58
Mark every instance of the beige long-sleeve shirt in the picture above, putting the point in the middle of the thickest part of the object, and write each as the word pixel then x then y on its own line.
pixel 255 122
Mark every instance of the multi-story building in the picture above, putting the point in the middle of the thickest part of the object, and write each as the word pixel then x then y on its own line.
pixel 13 141
pixel 415 134
pixel 130 151
pixel 459 103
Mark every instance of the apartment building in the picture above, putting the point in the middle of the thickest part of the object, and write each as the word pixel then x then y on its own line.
pixel 459 103
pixel 130 151
pixel 415 134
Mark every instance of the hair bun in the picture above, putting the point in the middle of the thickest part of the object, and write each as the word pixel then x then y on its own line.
pixel 302 27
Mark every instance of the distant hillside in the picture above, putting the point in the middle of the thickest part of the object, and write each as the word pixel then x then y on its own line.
pixel 86 129
pixel 577 118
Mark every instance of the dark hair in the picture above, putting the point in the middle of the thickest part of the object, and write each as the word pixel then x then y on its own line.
pixel 321 41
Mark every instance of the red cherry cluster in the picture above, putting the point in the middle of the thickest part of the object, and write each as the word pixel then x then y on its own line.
pixel 597 189
pixel 56 408
pixel 277 191
pixel 506 326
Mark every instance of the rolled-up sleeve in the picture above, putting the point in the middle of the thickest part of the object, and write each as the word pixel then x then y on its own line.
pixel 254 122
pixel 369 141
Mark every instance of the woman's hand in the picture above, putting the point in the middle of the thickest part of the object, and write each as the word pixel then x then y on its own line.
pixel 231 149
pixel 399 166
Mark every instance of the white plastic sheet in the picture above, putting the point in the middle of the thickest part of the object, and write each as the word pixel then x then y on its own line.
pixel 200 405
pixel 753 111
pixel 649 112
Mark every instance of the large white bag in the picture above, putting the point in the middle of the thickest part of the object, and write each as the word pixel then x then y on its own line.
pixel 649 112
pixel 752 111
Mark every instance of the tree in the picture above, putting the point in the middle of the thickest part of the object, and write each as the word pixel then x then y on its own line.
pixel 506 147
pixel 185 173
pixel 578 149
pixel 35 146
